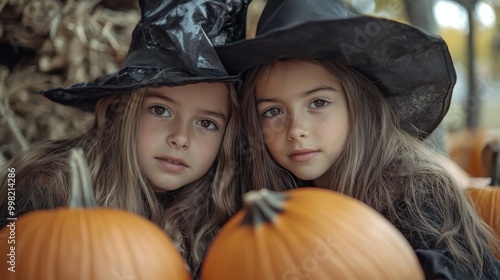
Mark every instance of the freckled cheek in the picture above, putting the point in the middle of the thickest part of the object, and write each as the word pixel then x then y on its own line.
pixel 272 131
pixel 150 137
pixel 141 133
pixel 273 142
pixel 149 129
pixel 268 135
pixel 208 149
pixel 336 133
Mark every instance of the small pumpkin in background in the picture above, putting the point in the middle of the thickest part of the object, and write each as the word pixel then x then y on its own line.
pixel 487 202
pixel 309 233
pixel 485 192
pixel 88 243
pixel 491 161
pixel 466 148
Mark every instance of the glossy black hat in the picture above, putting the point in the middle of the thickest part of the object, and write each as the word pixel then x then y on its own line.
pixel 171 45
pixel 412 67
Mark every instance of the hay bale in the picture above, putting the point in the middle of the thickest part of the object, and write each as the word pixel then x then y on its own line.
pixel 57 43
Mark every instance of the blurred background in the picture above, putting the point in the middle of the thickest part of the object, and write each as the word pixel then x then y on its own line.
pixel 53 43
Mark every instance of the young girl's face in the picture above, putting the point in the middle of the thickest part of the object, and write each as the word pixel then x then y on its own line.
pixel 180 132
pixel 303 115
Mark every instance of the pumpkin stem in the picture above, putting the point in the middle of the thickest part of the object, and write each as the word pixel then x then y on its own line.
pixel 81 188
pixel 262 206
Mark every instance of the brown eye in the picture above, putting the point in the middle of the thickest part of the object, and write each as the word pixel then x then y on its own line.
pixel 273 112
pixel 207 124
pixel 319 103
pixel 204 123
pixel 159 111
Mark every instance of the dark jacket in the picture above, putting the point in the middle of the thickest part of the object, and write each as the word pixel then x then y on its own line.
pixel 438 264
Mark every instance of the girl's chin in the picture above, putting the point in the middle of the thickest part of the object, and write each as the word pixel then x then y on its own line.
pixel 306 177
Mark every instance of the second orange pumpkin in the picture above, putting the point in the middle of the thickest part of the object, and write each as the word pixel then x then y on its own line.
pixel 309 233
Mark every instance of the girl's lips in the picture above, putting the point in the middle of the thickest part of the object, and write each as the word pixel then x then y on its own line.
pixel 302 155
pixel 172 164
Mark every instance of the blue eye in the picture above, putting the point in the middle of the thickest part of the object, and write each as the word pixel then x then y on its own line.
pixel 272 112
pixel 318 103
pixel 207 124
pixel 159 111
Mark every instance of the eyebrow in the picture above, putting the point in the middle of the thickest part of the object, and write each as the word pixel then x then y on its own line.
pixel 216 114
pixel 302 94
pixel 163 97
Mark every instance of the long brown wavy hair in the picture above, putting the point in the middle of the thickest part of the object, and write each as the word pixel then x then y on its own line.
pixel 191 215
pixel 383 166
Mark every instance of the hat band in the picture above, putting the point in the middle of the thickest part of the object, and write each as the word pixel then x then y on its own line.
pixel 158 59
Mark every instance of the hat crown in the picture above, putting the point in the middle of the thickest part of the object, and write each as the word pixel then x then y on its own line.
pixel 180 34
pixel 411 67
pixel 284 14
pixel 172 45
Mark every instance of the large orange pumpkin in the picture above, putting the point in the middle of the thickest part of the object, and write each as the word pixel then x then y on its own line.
pixel 309 233
pixel 87 243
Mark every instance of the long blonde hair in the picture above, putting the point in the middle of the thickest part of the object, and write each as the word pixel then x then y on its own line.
pixel 385 167
pixel 191 215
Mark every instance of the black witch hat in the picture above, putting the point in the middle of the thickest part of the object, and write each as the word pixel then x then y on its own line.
pixel 412 67
pixel 172 45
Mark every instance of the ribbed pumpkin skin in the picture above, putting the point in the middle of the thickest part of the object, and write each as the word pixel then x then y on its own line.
pixel 486 200
pixel 320 234
pixel 90 244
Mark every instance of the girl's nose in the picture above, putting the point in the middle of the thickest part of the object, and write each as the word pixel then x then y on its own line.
pixel 178 137
pixel 296 129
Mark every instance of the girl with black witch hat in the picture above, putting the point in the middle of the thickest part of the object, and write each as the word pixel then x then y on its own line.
pixel 343 102
pixel 163 144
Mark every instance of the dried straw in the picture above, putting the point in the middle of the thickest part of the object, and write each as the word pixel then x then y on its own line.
pixel 74 41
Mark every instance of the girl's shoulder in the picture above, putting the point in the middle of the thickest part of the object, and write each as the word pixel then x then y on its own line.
pixel 43 164
pixel 42 158
pixel 41 178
